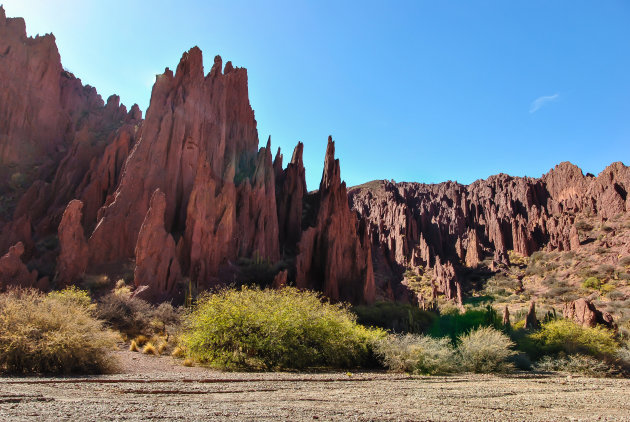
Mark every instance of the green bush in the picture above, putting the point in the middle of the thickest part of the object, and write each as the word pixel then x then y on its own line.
pixel 566 336
pixel 455 323
pixel 417 354
pixel 485 350
pixel 275 329
pixel 396 317
pixel 53 333
pixel 591 283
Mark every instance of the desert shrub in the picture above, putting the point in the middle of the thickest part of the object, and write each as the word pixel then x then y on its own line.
pixel 566 336
pixel 606 270
pixel 607 229
pixel 591 283
pixel 485 350
pixel 583 226
pixel 275 329
pixel 133 316
pixel 73 296
pixel 625 261
pixel 417 354
pixel 538 257
pixel 455 323
pixel 575 364
pixel 53 333
pixel 396 317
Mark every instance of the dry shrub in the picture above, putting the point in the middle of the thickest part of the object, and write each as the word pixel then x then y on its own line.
pixel 485 350
pixel 576 364
pixel 52 334
pixel 133 346
pixel 417 354
pixel 134 317
pixel 149 349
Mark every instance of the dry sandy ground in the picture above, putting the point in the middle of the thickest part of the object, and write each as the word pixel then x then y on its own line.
pixel 161 389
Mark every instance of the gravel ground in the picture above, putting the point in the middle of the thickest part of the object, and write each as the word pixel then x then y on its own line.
pixel 160 388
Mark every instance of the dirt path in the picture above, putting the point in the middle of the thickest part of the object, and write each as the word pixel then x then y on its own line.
pixel 160 388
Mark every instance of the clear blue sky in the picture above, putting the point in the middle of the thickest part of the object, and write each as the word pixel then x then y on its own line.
pixel 422 91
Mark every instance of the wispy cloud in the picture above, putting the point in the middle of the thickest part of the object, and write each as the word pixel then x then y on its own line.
pixel 541 101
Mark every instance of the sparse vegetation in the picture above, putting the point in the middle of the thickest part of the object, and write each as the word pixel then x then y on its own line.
pixel 53 333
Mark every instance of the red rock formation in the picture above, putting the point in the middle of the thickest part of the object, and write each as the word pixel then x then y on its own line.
pixel 415 222
pixel 506 317
pixel 195 123
pixel 53 132
pixel 290 191
pixel 332 257
pixel 531 321
pixel 73 257
pixel 585 313
pixel 157 267
pixel 13 272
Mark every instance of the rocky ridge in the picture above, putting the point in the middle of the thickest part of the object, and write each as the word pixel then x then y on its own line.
pixel 183 195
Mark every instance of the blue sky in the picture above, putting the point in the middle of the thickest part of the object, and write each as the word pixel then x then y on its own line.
pixel 422 91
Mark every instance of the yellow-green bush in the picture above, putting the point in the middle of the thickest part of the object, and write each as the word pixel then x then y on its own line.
pixel 566 336
pixel 275 329
pixel 53 333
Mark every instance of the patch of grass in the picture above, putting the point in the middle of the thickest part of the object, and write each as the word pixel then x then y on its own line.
pixel 276 329
pixel 417 354
pixel 149 349
pixel 53 333
pixel 485 350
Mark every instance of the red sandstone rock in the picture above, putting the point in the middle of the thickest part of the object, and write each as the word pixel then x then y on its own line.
pixel 157 267
pixel 199 145
pixel 531 322
pixel 332 258
pixel 280 280
pixel 73 258
pixel 506 317
pixel 13 272
pixel 585 313
pixel 290 191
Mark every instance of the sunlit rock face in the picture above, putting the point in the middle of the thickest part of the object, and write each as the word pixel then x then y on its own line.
pixel 414 224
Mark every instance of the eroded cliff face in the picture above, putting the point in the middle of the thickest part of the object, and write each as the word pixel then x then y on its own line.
pixel 334 255
pixel 419 226
pixel 58 141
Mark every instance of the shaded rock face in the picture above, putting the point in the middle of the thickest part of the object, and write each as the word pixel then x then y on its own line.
pixel 13 271
pixel 531 321
pixel 157 272
pixel 586 314
pixel 411 223
pixel 290 191
pixel 334 255
pixel 55 137
pixel 73 257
